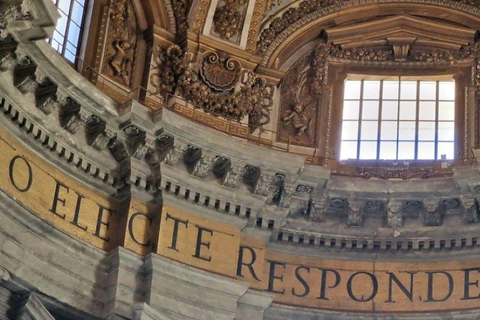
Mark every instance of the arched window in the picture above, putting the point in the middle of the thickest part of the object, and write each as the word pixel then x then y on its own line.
pixel 68 32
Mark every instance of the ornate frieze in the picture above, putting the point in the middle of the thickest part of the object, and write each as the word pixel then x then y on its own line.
pixel 361 54
pixel 200 16
pixel 259 12
pixel 394 172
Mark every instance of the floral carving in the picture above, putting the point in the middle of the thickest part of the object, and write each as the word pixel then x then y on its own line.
pixel 219 72
pixel 181 8
pixel 171 75
pixel 228 19
pixel 362 54
pixel 289 17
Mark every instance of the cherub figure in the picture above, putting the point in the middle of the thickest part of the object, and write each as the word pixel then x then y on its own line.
pixel 299 120
pixel 121 59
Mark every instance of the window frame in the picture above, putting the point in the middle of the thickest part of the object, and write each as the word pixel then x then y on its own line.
pixel 78 46
pixel 378 101
pixel 466 135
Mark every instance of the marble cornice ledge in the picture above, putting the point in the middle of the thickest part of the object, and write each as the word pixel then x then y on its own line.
pixel 234 148
pixel 36 19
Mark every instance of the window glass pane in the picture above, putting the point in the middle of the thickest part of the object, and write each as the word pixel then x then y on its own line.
pixel 352 89
pixel 71 17
pixel 57 40
pixel 77 13
pixel 368 150
pixel 371 89
pixel 351 110
pixel 64 5
pixel 369 130
pixel 70 48
pixel 370 110
pixel 406 150
pixel 426 131
pixel 389 130
pixel 73 34
pixel 408 90
pixel 62 24
pixel 406 130
pixel 446 111
pixel 350 130
pixel 69 56
pixel 390 89
pixel 446 148
pixel 427 110
pixel 446 90
pixel 348 150
pixel 428 90
pixel 446 131
pixel 408 110
pixel 388 150
pixel 426 150
pixel 390 110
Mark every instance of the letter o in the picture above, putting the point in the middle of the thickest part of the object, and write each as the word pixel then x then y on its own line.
pixel 130 227
pixel 374 283
pixel 30 175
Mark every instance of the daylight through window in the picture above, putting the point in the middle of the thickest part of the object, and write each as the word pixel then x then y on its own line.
pixel 398 120
pixel 68 32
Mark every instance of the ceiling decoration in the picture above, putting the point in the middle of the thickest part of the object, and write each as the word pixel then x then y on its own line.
pixel 229 19
pixel 445 25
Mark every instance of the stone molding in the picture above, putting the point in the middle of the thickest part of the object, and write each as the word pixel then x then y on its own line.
pixel 277 35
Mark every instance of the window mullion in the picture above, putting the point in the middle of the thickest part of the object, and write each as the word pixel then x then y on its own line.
pixel 67 29
pixel 398 114
pixel 437 96
pixel 417 116
pixel 360 120
pixel 379 127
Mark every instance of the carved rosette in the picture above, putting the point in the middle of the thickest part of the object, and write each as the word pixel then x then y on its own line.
pixel 121 42
pixel 220 72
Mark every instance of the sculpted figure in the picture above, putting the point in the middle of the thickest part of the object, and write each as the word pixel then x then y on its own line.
pixel 121 59
pixel 299 120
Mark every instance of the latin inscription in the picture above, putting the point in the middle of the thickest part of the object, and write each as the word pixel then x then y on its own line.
pixel 213 246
